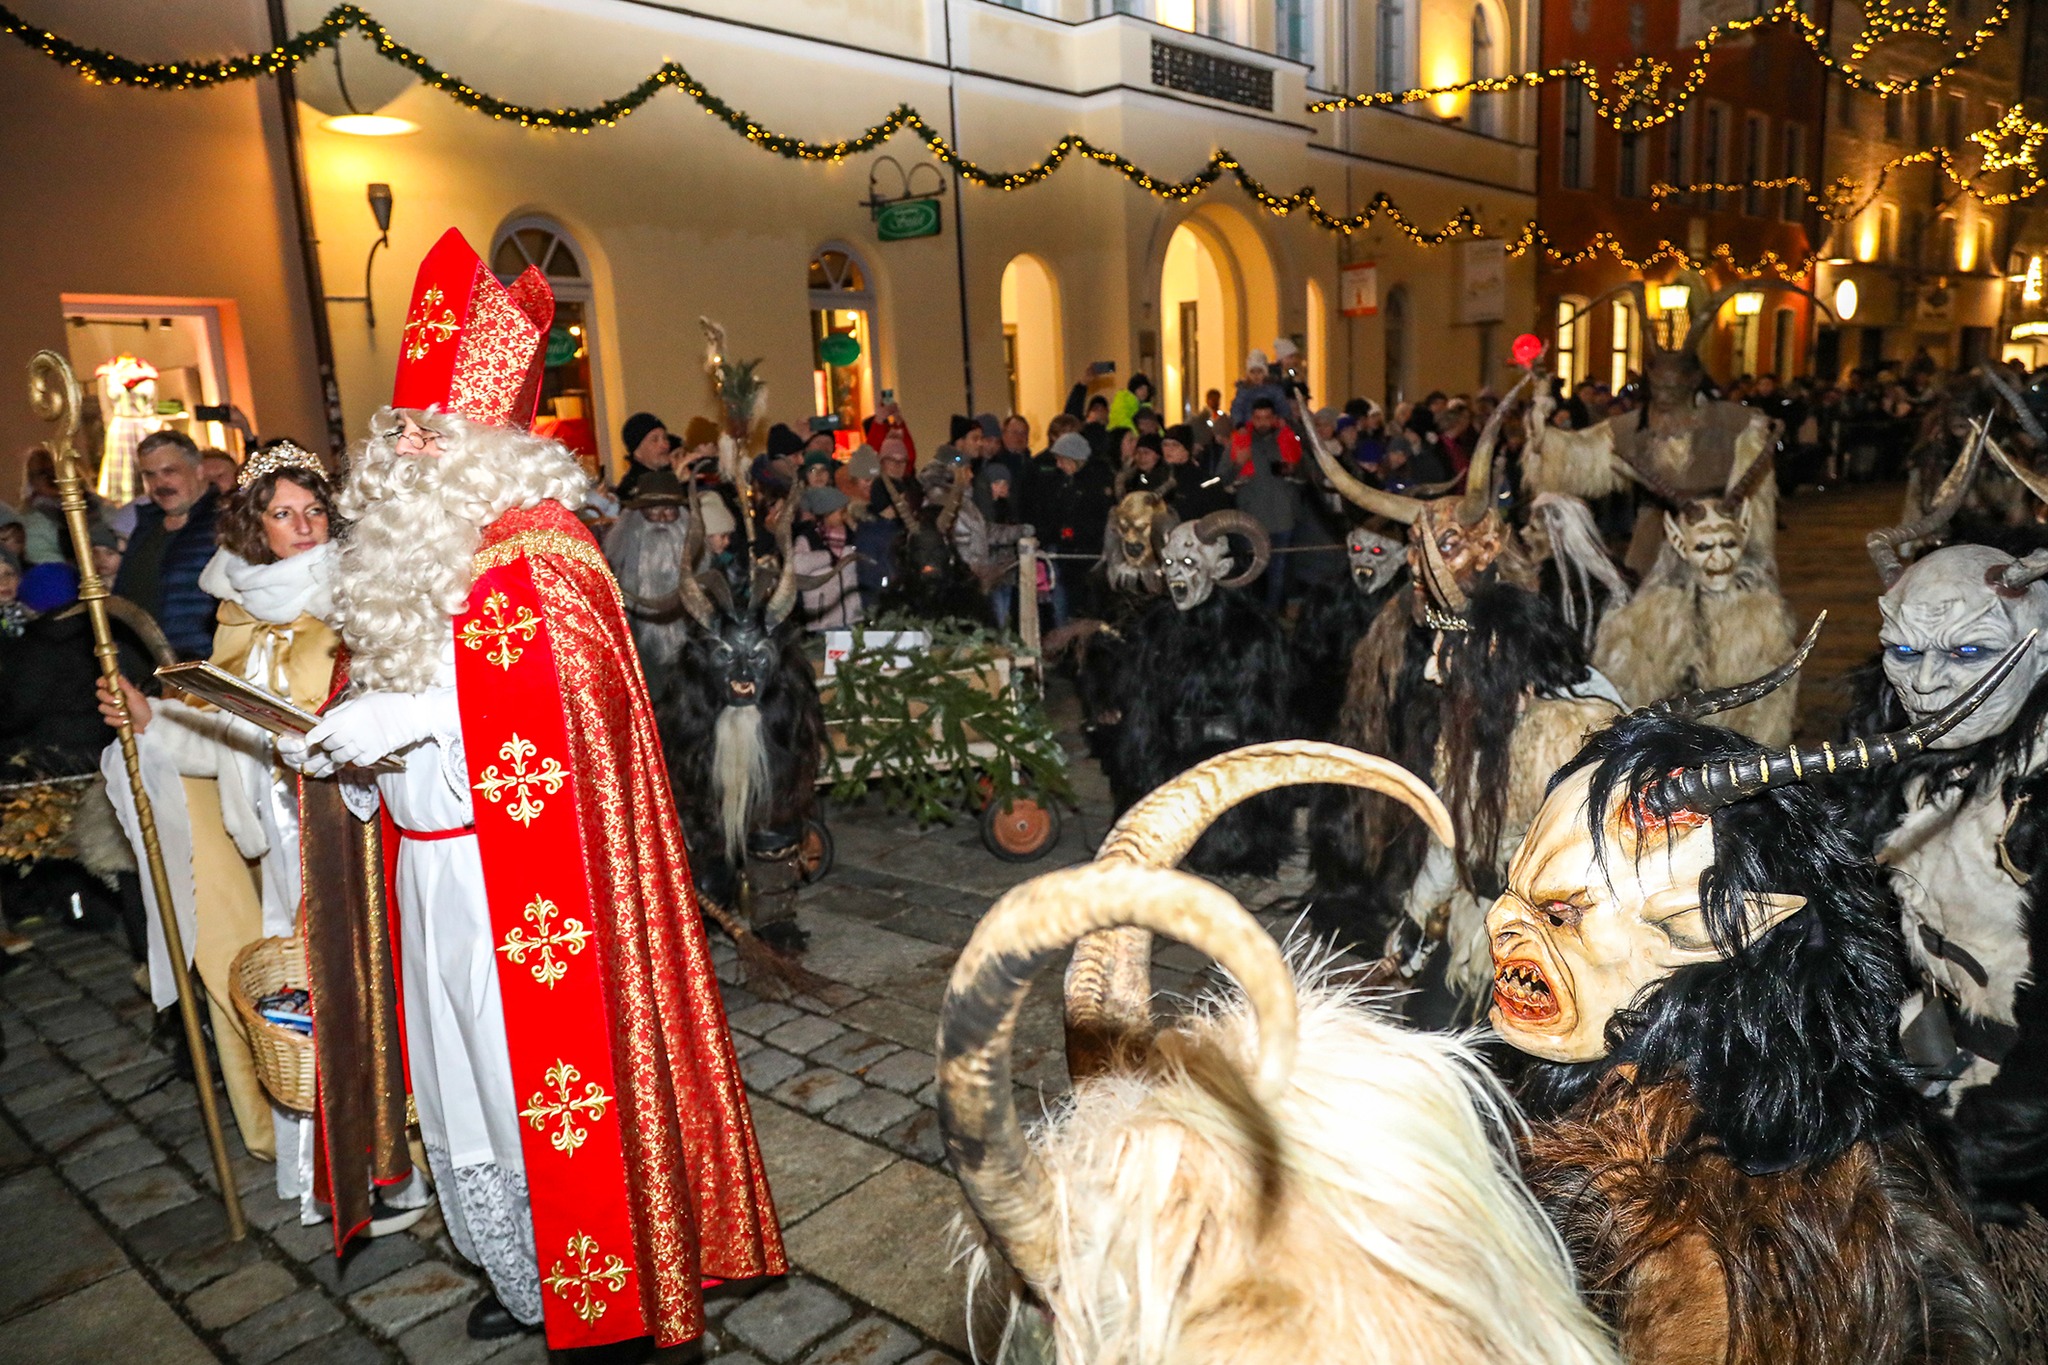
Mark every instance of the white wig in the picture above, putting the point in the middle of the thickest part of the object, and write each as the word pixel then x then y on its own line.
pixel 415 522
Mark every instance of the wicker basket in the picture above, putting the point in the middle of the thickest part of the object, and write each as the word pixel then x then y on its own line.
pixel 284 1056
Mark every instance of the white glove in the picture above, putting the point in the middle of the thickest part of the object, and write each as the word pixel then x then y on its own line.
pixel 293 752
pixel 367 729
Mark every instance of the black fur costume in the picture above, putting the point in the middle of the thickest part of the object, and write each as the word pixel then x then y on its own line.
pixel 1366 851
pixel 1193 684
pixel 1335 616
pixel 1754 1132
pixel 933 583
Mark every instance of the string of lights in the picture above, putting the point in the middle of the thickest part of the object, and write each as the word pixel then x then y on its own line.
pixel 1643 94
pixel 107 68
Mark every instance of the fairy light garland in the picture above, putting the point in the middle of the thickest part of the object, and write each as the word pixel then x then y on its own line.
pixel 1635 98
pixel 1632 86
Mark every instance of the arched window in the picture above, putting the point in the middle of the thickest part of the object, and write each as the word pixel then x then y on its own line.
pixel 1394 321
pixel 1571 323
pixel 842 335
pixel 1483 108
pixel 571 401
pixel 1626 341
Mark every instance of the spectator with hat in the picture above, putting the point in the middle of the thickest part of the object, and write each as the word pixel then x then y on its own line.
pixel 826 556
pixel 648 447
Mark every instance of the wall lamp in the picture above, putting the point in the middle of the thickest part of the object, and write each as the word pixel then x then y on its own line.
pixel 380 209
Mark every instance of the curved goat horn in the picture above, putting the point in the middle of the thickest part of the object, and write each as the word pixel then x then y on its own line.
pixel 1708 700
pixel 1995 376
pixel 1377 501
pixel 1022 933
pixel 949 506
pixel 1742 489
pixel 1109 981
pixel 1708 311
pixel 1437 579
pixel 783 601
pixel 1230 520
pixel 1479 474
pixel 1710 786
pixel 1652 482
pixel 1884 545
pixel 136 619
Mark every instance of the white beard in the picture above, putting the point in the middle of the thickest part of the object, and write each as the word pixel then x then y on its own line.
pixel 414 524
pixel 739 767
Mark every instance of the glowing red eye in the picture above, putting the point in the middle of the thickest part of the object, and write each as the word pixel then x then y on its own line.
pixel 1379 549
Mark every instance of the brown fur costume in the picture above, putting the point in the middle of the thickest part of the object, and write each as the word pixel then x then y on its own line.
pixel 1865 1259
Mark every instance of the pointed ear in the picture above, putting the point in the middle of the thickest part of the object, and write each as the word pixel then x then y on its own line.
pixel 1674 535
pixel 1742 520
pixel 1679 916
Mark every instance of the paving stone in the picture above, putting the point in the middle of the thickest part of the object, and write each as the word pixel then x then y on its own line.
pixel 42 1068
pixel 21 1051
pixel 15 1154
pixel 67 1251
pixel 933 926
pixel 176 1097
pixel 758 1018
pixel 803 1033
pixel 908 1274
pixel 194 1224
pixel 346 1347
pixel 746 1044
pixel 871 1341
pixel 871 1111
pixel 36 1098
pixel 281 1327
pixel 188 1268
pixel 445 1340
pixel 906 1072
pixel 917 1137
pixel 784 1318
pixel 227 1301
pixel 860 903
pixel 817 1090
pixel 120 1318
pixel 854 1052
pixel 304 1243
pixel 181 1125
pixel 861 954
pixel 809 1164
pixel 137 1080
pixel 123 1051
pixel 532 1349
pixel 130 1199
pixel 896 1021
pixel 62 1126
pixel 830 996
pixel 768 1068
pixel 368 1261
pixel 96 1045
pixel 73 1020
pixel 933 1358
pixel 91 1168
pixel 412 1295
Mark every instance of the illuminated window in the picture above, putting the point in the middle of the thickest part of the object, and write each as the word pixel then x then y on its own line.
pixel 1626 341
pixel 571 401
pixel 1571 340
pixel 1483 115
pixel 842 335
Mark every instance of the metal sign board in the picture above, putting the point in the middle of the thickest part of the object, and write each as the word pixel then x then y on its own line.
pixel 907 219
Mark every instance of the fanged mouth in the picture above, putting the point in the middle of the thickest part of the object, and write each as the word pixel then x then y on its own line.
pixel 1523 992
pixel 743 689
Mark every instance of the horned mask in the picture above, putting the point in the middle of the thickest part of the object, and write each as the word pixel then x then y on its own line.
pixel 1586 928
pixel 1374 558
pixel 1196 558
pixel 1710 534
pixel 1948 617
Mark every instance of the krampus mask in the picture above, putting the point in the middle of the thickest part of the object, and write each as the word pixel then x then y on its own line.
pixel 1374 558
pixel 1950 615
pixel 1603 905
pixel 1132 550
pixel 1195 560
pixel 1709 533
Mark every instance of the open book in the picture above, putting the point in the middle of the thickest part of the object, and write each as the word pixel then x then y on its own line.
pixel 218 687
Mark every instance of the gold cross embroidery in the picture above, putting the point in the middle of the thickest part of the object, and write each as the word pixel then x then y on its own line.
pixel 498 634
pixel 570 938
pixel 565 1107
pixel 521 780
pixel 430 328
pixel 576 1286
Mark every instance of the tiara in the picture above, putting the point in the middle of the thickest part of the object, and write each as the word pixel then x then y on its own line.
pixel 283 455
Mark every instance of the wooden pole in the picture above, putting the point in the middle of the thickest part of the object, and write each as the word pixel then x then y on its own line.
pixel 1027 595
pixel 53 393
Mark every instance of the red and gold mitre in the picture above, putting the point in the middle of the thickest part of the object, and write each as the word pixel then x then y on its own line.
pixel 471 345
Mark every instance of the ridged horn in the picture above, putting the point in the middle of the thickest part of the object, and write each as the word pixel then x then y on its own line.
pixel 1697 333
pixel 1995 376
pixel 1437 579
pixel 1884 545
pixel 783 601
pixel 1228 522
pixel 1706 701
pixel 2035 483
pixel 1021 934
pixel 1109 981
pixel 1652 482
pixel 1711 786
pixel 1744 488
pixel 136 619
pixel 1356 491
pixel 1479 473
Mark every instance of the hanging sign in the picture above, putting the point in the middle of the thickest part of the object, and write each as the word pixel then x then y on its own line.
pixel 908 218
pixel 561 347
pixel 841 348
pixel 1358 289
pixel 911 212
pixel 1483 291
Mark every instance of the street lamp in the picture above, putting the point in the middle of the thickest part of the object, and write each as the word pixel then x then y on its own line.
pixel 1845 300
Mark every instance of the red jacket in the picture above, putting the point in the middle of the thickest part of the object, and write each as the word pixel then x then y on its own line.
pixel 1241 448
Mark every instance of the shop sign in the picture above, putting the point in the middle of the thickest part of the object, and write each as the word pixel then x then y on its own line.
pixel 561 347
pixel 841 348
pixel 1483 282
pixel 1358 289
pixel 907 219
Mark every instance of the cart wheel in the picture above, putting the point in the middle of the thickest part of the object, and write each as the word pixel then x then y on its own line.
pixel 1019 830
pixel 814 852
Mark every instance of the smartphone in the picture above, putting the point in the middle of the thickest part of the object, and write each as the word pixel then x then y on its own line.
pixel 212 412
pixel 1103 367
pixel 831 422
pixel 888 397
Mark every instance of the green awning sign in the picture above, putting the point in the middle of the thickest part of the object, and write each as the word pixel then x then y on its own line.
pixel 840 348
pixel 561 346
pixel 906 219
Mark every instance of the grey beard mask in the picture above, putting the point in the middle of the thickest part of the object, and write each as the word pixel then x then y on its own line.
pixel 1374 558
pixel 1944 625
pixel 1192 566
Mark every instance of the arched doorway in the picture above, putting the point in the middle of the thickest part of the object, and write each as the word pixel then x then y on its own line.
pixel 1031 341
pixel 571 403
pixel 842 336
pixel 1218 299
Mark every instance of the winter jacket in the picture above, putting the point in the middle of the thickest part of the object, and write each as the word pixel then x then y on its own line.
pixel 160 573
pixel 981 542
pixel 1265 492
pixel 1249 393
